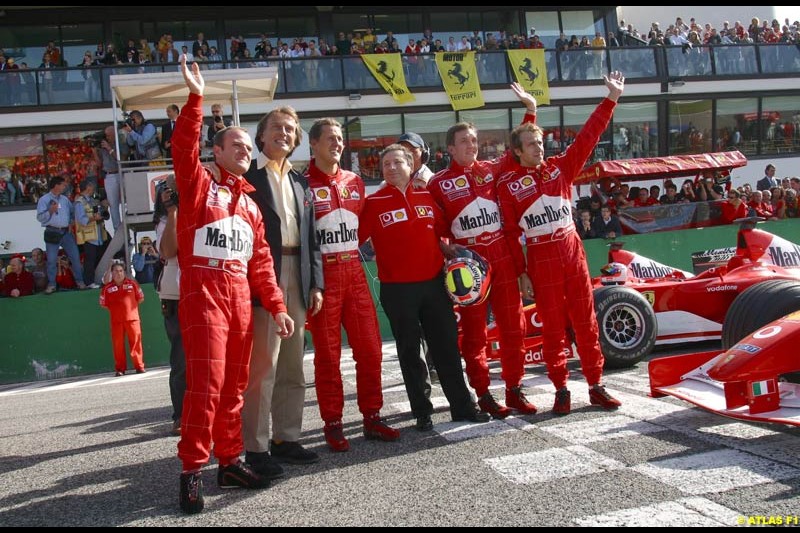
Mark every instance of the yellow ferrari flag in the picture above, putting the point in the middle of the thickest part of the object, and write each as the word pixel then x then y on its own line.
pixel 530 70
pixel 388 70
pixel 460 79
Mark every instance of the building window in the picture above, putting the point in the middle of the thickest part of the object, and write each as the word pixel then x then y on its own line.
pixel 689 127
pixel 635 131
pixel 737 125
pixel 780 122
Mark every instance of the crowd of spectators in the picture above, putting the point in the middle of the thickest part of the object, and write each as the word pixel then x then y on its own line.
pixel 771 199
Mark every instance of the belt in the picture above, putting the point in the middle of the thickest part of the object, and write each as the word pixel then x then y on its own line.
pixel 232 266
pixel 484 238
pixel 290 250
pixel 56 228
pixel 557 235
pixel 341 257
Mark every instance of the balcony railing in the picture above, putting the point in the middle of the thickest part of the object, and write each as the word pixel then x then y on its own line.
pixel 62 86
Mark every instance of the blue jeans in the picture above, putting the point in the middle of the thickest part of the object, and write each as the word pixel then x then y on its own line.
pixel 71 249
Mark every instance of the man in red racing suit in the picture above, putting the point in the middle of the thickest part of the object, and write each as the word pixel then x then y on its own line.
pixel 223 257
pixel 536 198
pixel 339 197
pixel 466 192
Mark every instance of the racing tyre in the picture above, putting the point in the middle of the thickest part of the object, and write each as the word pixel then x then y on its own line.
pixel 628 326
pixel 757 306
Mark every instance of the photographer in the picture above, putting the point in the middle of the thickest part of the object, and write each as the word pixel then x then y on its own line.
pixel 144 261
pixel 218 123
pixel 106 157
pixel 141 136
pixel 90 230
pixel 166 218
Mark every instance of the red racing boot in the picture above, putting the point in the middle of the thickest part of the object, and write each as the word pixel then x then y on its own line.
pixel 334 436
pixel 377 429
pixel 598 395
pixel 488 404
pixel 516 399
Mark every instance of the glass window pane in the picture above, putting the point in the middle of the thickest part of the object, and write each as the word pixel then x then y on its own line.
pixel 689 127
pixel 780 121
pixel 493 128
pixel 70 156
pixel 77 39
pixel 546 24
pixel 574 119
pixel 635 131
pixel 367 136
pixel 579 23
pixel 291 27
pixel 549 119
pixel 432 127
pixel 737 127
pixel 22 155
pixel 449 23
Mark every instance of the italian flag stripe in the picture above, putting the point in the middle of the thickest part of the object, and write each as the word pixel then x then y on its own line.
pixel 761 388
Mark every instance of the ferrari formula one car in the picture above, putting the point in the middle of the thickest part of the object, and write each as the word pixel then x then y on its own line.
pixel 747 382
pixel 658 304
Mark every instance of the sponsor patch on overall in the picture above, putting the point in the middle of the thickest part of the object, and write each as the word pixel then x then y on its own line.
pixel 219 196
pixel 550 173
pixel 392 217
pixel 322 199
pixel 522 187
pixel 425 211
pixel 455 187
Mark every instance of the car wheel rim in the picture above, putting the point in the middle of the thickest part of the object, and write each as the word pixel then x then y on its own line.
pixel 623 326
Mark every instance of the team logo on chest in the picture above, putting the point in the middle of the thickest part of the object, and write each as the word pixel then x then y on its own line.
pixel 484 179
pixel 425 211
pixel 349 193
pixel 549 173
pixel 392 217
pixel 219 196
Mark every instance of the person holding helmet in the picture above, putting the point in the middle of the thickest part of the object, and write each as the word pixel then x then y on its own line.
pixel 404 224
pixel 466 192
pixel 535 199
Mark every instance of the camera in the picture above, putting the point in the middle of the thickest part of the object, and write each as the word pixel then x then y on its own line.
pixel 102 211
pixel 128 121
pixel 217 118
pixel 94 139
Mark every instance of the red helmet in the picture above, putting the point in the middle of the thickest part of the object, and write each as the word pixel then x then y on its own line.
pixel 467 278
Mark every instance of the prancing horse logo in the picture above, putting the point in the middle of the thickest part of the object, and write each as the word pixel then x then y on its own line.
pixel 525 68
pixel 455 72
pixel 382 67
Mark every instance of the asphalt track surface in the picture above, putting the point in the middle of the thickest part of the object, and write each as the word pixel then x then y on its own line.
pixel 97 451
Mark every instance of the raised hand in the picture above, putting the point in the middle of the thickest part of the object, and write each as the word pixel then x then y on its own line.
pixel 615 84
pixel 525 97
pixel 194 80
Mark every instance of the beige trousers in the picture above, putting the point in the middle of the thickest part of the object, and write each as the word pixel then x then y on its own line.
pixel 277 385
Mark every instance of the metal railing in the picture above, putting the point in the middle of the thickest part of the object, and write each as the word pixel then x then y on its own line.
pixel 310 75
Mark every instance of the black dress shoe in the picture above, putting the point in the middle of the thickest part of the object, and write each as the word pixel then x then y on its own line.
pixel 263 465
pixel 292 452
pixel 424 423
pixel 472 415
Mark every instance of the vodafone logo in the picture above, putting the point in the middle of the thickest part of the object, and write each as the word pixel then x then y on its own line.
pixel 767 332
pixel 535 320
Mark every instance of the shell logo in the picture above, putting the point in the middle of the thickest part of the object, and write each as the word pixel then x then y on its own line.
pixel 400 215
pixel 460 182
pixel 322 194
pixel 527 180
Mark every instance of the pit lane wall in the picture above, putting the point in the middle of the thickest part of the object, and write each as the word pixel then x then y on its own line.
pixel 67 334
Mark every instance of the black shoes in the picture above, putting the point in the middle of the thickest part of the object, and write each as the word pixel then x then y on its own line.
pixel 264 465
pixel 473 414
pixel 292 453
pixel 424 423
pixel 191 493
pixel 239 474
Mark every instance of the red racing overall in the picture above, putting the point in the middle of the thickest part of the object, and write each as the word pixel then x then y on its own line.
pixel 538 202
pixel 468 197
pixel 223 256
pixel 338 201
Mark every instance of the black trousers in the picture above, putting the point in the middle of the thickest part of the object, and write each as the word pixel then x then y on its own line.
pixel 177 359
pixel 424 306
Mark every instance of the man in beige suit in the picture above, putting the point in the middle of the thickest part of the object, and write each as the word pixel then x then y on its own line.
pixel 277 384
